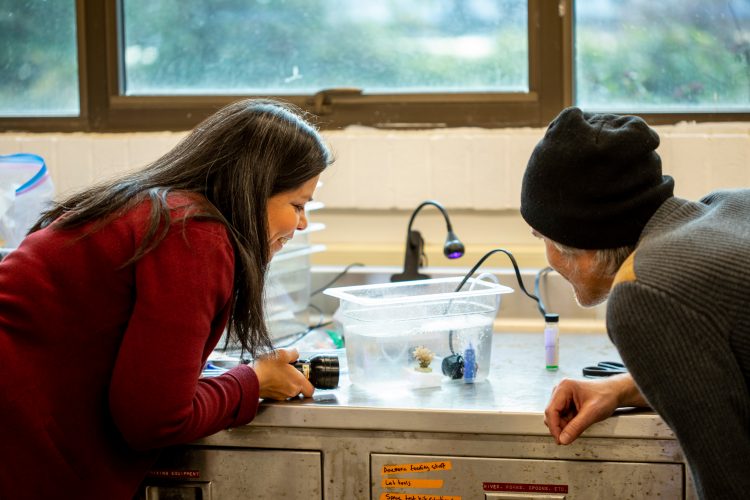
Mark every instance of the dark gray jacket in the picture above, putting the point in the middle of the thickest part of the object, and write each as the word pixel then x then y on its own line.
pixel 680 318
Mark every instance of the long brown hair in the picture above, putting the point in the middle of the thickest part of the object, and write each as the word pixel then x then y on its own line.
pixel 237 159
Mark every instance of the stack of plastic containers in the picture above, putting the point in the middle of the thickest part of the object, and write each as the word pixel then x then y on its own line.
pixel 287 296
pixel 288 283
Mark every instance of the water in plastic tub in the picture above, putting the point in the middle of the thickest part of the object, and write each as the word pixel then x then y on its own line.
pixel 420 333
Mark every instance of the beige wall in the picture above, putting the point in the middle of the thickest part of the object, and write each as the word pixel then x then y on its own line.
pixel 380 176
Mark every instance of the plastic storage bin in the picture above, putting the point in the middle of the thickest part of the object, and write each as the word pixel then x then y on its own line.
pixel 418 333
pixel 287 292
pixel 301 239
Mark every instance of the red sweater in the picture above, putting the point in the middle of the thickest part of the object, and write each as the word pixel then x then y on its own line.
pixel 100 364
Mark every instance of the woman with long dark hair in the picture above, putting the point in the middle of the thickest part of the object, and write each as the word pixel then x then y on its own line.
pixel 113 302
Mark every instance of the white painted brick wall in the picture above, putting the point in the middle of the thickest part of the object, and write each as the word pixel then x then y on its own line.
pixel 489 162
pixel 74 166
pixel 734 153
pixel 382 170
pixel 338 183
pixel 369 167
pixel 520 144
pixel 411 166
pixel 451 169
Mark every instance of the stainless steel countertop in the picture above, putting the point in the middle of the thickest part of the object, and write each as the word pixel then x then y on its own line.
pixel 510 401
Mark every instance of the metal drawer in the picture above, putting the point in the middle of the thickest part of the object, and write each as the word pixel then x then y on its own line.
pixel 230 473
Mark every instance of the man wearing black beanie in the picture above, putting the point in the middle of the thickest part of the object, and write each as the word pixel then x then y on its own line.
pixel 677 276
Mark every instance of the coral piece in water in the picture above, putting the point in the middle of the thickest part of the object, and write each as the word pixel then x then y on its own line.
pixel 424 357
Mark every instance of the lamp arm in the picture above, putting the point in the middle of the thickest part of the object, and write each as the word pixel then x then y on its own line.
pixel 435 204
pixel 452 249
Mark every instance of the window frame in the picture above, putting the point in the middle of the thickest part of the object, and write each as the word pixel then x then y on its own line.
pixel 64 123
pixel 104 108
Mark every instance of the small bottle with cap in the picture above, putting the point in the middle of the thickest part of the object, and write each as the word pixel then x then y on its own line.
pixel 551 341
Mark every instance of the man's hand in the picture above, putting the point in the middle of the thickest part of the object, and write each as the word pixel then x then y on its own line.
pixel 575 405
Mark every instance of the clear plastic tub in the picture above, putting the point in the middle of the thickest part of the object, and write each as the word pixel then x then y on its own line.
pixel 418 333
pixel 288 281
pixel 301 239
pixel 287 292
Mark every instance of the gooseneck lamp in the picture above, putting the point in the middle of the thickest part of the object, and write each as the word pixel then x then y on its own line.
pixel 453 248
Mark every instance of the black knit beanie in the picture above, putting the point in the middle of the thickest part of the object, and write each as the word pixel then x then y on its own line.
pixel 594 180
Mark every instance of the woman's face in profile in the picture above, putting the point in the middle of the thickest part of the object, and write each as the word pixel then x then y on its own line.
pixel 286 213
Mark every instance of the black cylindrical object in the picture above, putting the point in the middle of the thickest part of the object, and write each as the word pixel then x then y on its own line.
pixel 322 371
pixel 453 366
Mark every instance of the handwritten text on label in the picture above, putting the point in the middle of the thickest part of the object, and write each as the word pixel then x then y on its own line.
pixel 397 482
pixel 415 496
pixel 421 467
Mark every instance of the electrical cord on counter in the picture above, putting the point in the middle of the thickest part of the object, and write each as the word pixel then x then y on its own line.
pixel 539 275
pixel 293 338
pixel 540 305
pixel 453 365
pixel 338 277
pixel 296 337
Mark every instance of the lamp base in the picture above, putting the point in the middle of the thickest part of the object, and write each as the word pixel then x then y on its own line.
pixel 406 276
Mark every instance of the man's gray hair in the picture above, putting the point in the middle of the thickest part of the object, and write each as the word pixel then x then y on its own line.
pixel 608 260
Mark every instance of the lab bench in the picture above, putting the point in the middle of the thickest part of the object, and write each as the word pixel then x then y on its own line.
pixel 458 441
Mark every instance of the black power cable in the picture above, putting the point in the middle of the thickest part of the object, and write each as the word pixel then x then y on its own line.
pixel 539 275
pixel 540 305
pixel 338 277
pixel 453 365
pixel 293 338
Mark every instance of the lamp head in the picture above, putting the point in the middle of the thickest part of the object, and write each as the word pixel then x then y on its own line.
pixel 453 247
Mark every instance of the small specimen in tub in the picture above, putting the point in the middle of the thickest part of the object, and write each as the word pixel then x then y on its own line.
pixel 424 357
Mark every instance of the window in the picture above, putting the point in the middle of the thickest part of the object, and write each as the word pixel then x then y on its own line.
pixel 298 47
pixel 427 63
pixel 165 65
pixel 665 56
pixel 38 58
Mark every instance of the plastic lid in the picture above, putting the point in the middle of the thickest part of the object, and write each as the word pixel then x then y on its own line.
pixel 551 318
pixel 409 292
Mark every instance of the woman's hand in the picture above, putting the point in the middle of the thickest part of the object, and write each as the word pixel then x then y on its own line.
pixel 280 380
pixel 575 405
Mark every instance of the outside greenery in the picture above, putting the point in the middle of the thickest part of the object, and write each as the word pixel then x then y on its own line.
pixel 662 55
pixel 634 55
pixel 302 46
pixel 38 58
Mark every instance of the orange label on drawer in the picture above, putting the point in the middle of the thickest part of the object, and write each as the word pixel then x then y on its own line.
pixel 421 467
pixel 399 482
pixel 415 496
